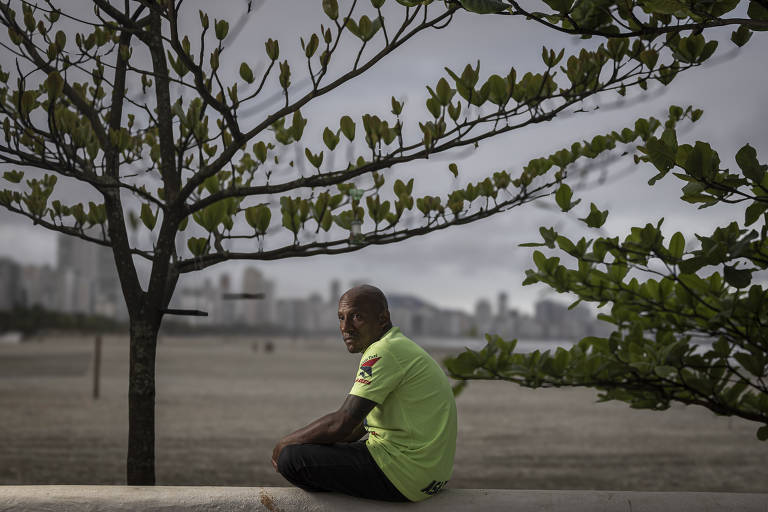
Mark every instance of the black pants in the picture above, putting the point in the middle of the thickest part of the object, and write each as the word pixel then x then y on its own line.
pixel 344 467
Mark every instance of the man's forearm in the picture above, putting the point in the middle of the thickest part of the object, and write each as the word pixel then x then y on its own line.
pixel 342 426
pixel 356 434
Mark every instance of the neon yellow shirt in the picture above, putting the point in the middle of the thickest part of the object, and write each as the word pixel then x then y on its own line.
pixel 412 430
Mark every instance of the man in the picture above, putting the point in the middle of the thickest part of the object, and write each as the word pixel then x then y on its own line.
pixel 401 398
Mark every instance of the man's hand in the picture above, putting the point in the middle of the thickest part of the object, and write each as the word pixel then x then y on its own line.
pixel 276 453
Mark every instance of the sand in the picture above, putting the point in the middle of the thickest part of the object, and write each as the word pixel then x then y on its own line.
pixel 223 403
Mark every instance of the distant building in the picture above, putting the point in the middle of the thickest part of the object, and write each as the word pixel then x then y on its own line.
pixel 483 316
pixel 502 311
pixel 258 311
pixel 225 308
pixel 11 292
pixel 411 314
pixel 89 282
pixel 335 292
pixel 200 298
pixel 42 286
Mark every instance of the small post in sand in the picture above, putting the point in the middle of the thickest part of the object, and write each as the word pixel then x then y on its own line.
pixel 96 366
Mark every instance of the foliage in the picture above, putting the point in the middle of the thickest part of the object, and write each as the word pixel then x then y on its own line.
pixel 689 324
pixel 176 159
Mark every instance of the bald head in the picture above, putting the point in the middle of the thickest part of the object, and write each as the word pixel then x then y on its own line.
pixel 363 317
pixel 367 296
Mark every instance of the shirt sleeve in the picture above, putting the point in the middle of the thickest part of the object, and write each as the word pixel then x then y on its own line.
pixel 377 376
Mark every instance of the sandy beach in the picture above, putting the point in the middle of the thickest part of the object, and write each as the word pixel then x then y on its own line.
pixel 223 403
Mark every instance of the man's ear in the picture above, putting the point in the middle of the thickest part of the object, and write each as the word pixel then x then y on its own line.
pixel 384 318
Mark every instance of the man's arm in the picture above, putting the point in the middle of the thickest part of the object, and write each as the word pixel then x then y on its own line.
pixel 336 427
pixel 356 434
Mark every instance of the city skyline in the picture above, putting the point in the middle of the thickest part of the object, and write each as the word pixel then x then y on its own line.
pixel 83 281
pixel 93 258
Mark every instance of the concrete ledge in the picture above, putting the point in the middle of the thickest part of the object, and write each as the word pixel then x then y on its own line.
pixel 65 498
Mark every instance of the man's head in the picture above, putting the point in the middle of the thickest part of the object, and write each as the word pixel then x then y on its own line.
pixel 363 317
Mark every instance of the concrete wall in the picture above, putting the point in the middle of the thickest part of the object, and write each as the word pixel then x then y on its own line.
pixel 65 498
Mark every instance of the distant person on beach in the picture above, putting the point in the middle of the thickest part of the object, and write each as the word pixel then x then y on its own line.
pixel 401 398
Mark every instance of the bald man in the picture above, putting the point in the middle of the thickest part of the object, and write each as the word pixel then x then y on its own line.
pixel 400 398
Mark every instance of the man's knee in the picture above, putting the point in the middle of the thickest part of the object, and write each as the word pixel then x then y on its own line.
pixel 293 465
pixel 288 461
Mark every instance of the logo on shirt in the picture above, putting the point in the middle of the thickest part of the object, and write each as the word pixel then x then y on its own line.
pixel 366 369
pixel 434 487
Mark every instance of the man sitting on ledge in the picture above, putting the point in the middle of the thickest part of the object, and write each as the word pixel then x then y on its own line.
pixel 401 398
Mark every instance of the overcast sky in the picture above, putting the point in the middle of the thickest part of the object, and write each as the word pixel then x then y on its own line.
pixel 456 267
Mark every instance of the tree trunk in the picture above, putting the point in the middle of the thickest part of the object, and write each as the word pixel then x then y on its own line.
pixel 141 404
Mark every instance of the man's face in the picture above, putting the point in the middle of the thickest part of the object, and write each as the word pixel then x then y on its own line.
pixel 360 323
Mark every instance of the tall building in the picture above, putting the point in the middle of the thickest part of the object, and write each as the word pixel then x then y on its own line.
pixel 41 287
pixel 502 312
pixel 225 310
pixel 89 282
pixel 11 292
pixel 335 292
pixel 483 316
pixel 258 311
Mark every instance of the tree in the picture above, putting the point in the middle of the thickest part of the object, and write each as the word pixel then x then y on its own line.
pixel 181 147
pixel 688 319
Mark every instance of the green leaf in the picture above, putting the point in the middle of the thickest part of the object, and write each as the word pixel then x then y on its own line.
pixel 463 364
pixel 677 245
pixel 663 6
pixel 272 48
pixel 331 8
pixel 746 158
pixel 741 36
pixel 756 11
pixel 561 6
pixel 297 125
pixel 498 90
pixel 347 127
pixel 13 176
pixel 762 433
pixel 596 218
pixel 246 73
pixel 331 139
pixel 484 6
pixel 258 217
pixel 664 371
pixel 198 246
pixel 221 28
pixel 260 150
pixel 737 278
pixel 315 159
pixel 563 198
pixel 661 155
pixel 147 217
pixel 54 84
pixel 311 46
pixel 753 212
pixel 750 363
pixel 443 92
pixel 454 170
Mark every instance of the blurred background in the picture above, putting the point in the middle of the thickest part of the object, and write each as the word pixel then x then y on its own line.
pixel 230 384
